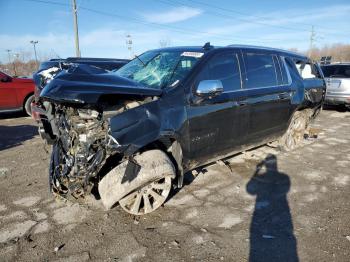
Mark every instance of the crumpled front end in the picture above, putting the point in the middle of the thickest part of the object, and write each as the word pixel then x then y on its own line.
pixel 82 141
pixel 88 123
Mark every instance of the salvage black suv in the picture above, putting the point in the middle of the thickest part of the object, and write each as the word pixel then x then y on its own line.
pixel 131 134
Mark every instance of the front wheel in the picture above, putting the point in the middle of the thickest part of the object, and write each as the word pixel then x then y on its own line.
pixel 141 184
pixel 27 105
pixel 148 198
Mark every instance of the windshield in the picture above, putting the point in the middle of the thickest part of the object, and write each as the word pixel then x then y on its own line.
pixel 336 71
pixel 158 69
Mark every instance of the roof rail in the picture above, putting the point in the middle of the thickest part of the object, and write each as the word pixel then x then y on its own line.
pixel 207 46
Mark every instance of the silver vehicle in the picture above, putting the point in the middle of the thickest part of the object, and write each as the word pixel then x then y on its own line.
pixel 337 78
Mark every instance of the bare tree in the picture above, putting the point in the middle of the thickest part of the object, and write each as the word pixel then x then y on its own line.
pixel 339 52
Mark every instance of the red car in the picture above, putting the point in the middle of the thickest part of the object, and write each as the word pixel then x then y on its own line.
pixel 16 94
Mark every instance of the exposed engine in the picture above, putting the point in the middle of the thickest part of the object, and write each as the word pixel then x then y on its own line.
pixel 80 149
pixel 82 144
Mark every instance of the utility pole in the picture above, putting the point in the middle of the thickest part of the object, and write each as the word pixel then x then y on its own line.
pixel 36 57
pixel 129 45
pixel 312 39
pixel 76 33
pixel 16 56
pixel 13 64
pixel 8 52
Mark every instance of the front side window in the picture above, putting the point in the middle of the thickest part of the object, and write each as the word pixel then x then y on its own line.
pixel 158 69
pixel 223 67
pixel 260 70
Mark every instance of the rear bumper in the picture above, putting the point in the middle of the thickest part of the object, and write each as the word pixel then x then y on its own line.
pixel 337 99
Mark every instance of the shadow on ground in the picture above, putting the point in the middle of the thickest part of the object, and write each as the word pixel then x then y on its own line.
pixel 11 136
pixel 338 108
pixel 271 230
pixel 12 115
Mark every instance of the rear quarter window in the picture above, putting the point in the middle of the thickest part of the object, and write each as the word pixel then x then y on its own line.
pixel 336 71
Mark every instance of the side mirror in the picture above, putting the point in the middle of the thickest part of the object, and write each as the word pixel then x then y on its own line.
pixel 209 88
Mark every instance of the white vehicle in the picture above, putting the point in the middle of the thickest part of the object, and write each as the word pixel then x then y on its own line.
pixel 337 78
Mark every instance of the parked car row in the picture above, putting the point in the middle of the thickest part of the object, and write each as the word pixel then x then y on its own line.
pixel 132 133
pixel 17 93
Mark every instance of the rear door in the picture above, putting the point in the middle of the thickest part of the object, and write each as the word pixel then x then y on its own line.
pixel 268 90
pixel 218 125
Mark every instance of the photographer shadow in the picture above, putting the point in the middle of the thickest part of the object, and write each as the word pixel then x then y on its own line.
pixel 271 229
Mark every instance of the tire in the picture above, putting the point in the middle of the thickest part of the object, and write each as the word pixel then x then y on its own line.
pixel 296 130
pixel 27 107
pixel 142 188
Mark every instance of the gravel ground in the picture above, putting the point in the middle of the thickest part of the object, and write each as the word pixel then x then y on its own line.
pixel 271 206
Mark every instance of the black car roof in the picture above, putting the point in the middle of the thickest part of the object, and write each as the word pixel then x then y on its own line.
pixel 244 47
pixel 261 48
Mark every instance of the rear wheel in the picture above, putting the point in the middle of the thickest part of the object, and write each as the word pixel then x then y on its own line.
pixel 296 130
pixel 27 107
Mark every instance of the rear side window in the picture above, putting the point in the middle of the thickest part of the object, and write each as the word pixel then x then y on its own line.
pixel 305 70
pixel 336 71
pixel 223 67
pixel 260 70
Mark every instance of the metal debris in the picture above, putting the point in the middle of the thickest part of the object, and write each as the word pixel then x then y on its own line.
pixel 58 248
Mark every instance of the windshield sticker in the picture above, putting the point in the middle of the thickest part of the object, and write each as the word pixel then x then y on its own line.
pixel 186 64
pixel 192 54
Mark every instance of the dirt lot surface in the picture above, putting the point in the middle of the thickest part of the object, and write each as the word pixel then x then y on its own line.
pixel 273 206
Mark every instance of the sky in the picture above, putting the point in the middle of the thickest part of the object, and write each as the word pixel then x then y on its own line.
pixel 104 25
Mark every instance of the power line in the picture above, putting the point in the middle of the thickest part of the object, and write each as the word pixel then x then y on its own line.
pixel 180 29
pixel 171 27
pixel 153 24
pixel 221 15
pixel 312 39
pixel 242 14
pixel 260 17
pixel 47 2
pixel 216 14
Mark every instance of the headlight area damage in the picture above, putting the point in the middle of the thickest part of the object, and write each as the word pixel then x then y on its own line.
pixel 107 120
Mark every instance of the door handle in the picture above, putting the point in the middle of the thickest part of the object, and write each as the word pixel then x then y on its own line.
pixel 284 95
pixel 242 103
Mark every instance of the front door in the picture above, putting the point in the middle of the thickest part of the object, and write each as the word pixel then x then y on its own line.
pixel 8 94
pixel 217 125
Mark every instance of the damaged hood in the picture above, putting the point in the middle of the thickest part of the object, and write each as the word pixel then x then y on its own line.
pixel 84 84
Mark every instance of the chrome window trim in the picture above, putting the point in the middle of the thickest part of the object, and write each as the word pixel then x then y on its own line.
pixel 255 88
